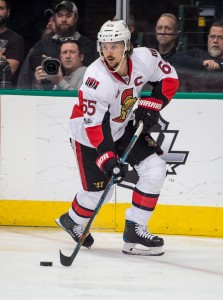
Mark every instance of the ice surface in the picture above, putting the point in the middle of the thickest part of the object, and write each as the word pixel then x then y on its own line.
pixel 191 268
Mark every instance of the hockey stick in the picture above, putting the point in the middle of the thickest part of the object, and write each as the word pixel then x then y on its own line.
pixel 68 260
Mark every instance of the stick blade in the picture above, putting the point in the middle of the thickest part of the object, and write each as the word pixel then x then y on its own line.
pixel 65 260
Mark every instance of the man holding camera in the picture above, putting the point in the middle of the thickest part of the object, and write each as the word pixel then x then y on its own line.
pixel 65 17
pixel 71 58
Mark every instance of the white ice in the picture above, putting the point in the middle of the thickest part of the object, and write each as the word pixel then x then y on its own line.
pixel 191 268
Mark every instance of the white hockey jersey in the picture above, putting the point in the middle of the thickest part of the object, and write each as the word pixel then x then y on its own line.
pixel 104 94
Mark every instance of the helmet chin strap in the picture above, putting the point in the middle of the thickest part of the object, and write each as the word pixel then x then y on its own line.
pixel 116 70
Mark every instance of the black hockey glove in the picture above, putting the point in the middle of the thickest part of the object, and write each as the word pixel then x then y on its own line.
pixel 148 112
pixel 110 165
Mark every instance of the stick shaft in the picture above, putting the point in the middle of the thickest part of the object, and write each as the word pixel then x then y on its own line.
pixel 68 260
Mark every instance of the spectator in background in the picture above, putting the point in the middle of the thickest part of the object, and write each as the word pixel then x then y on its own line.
pixel 65 17
pixel 203 69
pixel 26 75
pixel 167 35
pixel 11 43
pixel 134 32
pixel 71 58
pixel 50 26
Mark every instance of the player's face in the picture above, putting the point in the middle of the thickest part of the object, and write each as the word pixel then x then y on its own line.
pixel 215 42
pixel 113 53
pixel 166 31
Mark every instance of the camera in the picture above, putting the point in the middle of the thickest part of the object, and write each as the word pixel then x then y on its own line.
pixel 51 65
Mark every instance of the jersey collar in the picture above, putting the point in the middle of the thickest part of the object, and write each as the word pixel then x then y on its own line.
pixel 117 76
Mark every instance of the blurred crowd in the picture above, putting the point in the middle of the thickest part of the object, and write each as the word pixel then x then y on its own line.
pixel 59 59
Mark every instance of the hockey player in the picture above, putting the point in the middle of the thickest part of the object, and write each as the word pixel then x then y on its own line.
pixel 102 124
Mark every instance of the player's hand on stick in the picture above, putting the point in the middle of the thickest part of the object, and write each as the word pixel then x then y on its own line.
pixel 110 165
pixel 148 112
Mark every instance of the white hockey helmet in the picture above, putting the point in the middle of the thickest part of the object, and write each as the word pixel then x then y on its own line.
pixel 114 31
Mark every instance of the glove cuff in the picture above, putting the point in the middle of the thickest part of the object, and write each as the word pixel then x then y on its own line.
pixel 150 103
pixel 103 158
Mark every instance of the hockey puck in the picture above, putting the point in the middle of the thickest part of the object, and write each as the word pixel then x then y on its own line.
pixel 46 263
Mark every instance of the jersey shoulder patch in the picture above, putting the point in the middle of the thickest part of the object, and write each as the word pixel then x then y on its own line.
pixel 92 83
